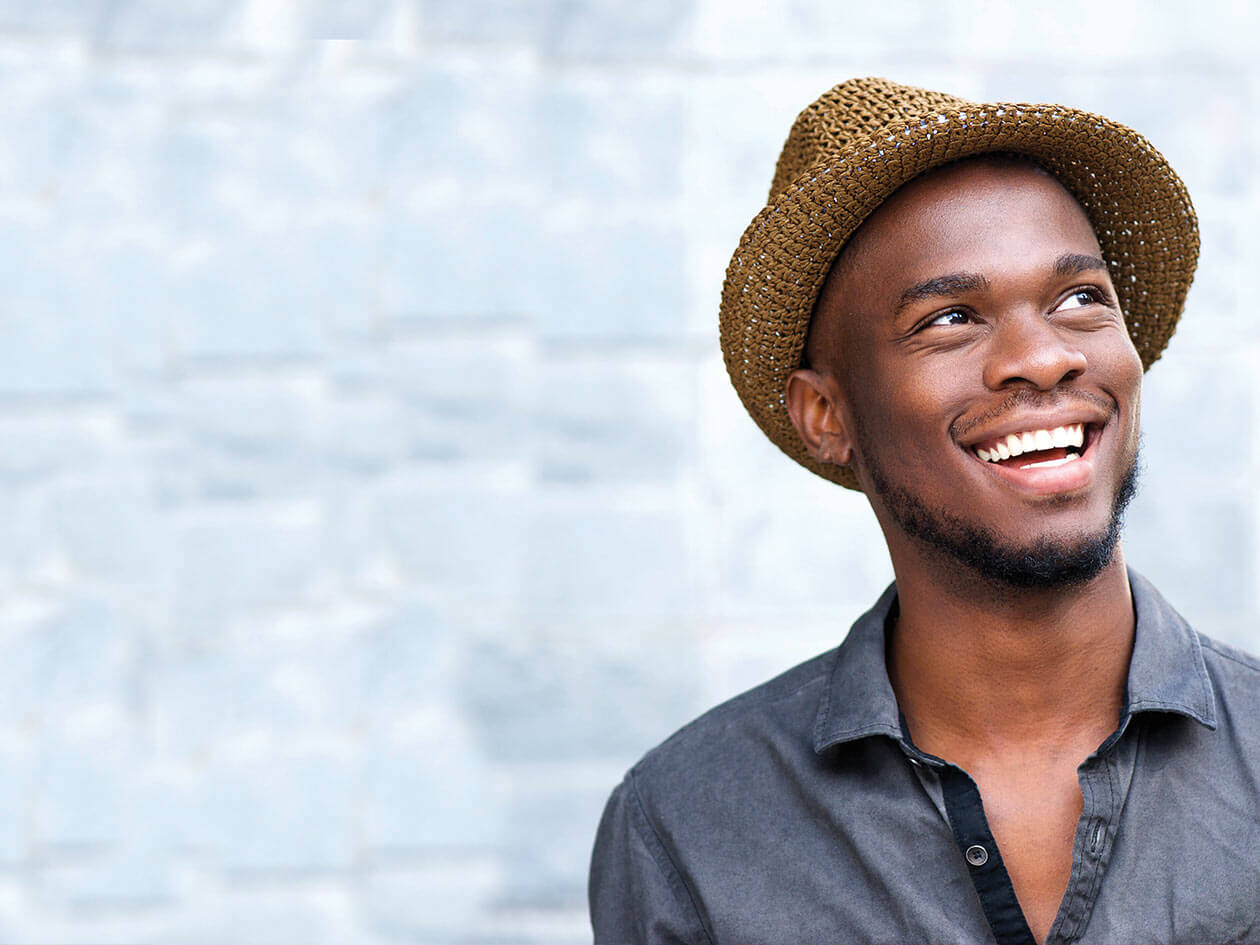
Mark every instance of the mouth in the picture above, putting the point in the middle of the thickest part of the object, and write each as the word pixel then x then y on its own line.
pixel 1038 448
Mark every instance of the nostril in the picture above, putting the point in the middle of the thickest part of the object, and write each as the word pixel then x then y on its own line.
pixel 1034 358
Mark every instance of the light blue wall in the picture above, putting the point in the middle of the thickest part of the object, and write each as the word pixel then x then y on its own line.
pixel 375 494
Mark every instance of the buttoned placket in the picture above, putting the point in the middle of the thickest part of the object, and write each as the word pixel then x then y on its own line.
pixel 1104 778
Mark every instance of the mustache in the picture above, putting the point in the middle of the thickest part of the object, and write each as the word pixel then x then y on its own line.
pixel 1038 400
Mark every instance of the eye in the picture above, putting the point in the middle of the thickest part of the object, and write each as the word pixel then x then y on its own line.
pixel 1080 298
pixel 955 316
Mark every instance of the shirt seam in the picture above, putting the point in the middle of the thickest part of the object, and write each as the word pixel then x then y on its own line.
pixel 673 875
pixel 875 728
pixel 1210 644
pixel 1172 706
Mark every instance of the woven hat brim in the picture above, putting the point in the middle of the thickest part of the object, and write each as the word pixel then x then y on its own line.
pixel 1139 208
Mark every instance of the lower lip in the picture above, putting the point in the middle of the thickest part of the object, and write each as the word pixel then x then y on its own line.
pixel 1049 480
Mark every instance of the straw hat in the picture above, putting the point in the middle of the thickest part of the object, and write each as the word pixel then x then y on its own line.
pixel 848 152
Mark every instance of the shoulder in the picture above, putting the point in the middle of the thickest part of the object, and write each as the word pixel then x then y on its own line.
pixel 1234 681
pixel 664 824
pixel 776 716
pixel 768 740
pixel 1234 675
pixel 1229 659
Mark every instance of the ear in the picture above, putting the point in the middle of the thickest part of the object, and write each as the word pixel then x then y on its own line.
pixel 816 408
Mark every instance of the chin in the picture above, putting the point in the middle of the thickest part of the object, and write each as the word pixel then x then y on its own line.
pixel 1045 563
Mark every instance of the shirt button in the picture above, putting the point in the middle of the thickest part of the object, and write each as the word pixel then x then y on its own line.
pixel 977 855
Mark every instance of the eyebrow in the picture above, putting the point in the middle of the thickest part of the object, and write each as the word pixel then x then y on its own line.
pixel 956 283
pixel 1069 264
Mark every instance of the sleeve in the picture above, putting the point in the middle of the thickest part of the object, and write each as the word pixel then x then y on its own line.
pixel 637 896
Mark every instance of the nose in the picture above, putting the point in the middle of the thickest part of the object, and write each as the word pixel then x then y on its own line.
pixel 1027 348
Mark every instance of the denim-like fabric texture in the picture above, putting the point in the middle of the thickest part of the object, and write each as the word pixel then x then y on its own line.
pixel 798 812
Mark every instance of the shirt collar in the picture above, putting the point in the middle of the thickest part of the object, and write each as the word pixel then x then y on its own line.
pixel 1166 672
pixel 859 700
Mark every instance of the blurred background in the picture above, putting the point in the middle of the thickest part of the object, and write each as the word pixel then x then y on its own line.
pixel 373 492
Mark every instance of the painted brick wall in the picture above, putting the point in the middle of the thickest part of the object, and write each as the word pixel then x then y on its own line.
pixel 375 495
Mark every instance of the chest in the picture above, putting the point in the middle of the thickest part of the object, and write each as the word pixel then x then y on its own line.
pixel 1033 813
pixel 1166 845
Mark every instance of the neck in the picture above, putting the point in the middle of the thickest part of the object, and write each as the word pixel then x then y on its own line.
pixel 979 669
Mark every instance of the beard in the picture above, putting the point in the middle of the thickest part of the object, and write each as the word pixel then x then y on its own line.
pixel 1048 563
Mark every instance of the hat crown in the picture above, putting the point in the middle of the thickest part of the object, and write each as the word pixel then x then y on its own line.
pixel 846 114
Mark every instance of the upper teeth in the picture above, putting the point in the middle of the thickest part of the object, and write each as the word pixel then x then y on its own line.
pixel 1032 441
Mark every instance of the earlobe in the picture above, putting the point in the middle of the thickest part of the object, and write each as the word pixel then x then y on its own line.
pixel 814 406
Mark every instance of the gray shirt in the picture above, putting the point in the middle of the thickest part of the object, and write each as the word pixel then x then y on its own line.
pixel 801 812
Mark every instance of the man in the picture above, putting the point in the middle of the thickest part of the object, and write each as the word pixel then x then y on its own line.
pixel 950 307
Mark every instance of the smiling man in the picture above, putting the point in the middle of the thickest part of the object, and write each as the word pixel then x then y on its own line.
pixel 950 307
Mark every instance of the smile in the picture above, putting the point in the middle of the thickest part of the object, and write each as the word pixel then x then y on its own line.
pixel 1035 449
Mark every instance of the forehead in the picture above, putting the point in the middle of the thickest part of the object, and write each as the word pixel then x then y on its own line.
pixel 977 215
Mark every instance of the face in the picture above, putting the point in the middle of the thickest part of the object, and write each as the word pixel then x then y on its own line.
pixel 971 364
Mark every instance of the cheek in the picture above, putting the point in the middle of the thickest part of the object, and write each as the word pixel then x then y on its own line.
pixel 1122 366
pixel 1135 406
pixel 903 413
pixel 1117 369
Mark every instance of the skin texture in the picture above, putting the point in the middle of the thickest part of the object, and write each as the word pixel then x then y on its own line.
pixel 967 307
